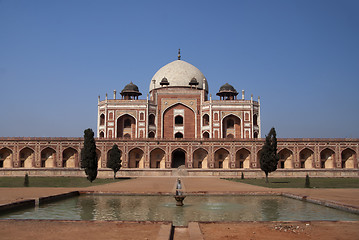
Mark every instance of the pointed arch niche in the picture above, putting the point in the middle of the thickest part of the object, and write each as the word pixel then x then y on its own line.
pixel 126 126
pixel 221 158
pixel 348 158
pixel 200 157
pixel 178 158
pixel 231 127
pixel 6 158
pixel 178 118
pixel 27 157
pixel 306 158
pixel 136 158
pixel 285 158
pixel 157 158
pixel 243 157
pixel 327 158
pixel 70 158
pixel 48 158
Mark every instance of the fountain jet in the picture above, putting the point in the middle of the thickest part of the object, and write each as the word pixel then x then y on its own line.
pixel 179 195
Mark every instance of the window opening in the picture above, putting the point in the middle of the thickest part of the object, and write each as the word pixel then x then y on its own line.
pixel 102 119
pixel 178 120
pixel 151 119
pixel 205 120
pixel 127 123
pixel 178 135
pixel 255 123
pixel 230 123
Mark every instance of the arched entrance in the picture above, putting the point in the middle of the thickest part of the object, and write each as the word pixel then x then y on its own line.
pixel 27 157
pixel 178 158
pixel 6 158
pixel 348 158
pixel 221 158
pixel 69 158
pixel 231 127
pixel 200 158
pixel 126 126
pixel 136 158
pixel 306 158
pixel 157 158
pixel 285 158
pixel 48 156
pixel 327 158
pixel 243 157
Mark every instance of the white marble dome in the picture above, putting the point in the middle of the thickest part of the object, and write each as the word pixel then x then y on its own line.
pixel 178 74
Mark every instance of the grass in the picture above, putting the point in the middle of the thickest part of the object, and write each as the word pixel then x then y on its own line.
pixel 300 182
pixel 66 182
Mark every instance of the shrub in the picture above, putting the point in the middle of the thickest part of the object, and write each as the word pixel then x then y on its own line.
pixel 307 182
pixel 26 180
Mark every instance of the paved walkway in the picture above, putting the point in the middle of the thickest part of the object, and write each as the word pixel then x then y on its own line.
pixel 168 185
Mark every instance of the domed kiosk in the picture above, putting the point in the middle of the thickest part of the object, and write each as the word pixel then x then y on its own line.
pixel 227 92
pixel 130 92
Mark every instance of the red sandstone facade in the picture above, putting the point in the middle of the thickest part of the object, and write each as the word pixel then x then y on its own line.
pixel 57 153
pixel 178 107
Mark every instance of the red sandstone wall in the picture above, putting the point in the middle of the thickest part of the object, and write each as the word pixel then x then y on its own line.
pixel 188 122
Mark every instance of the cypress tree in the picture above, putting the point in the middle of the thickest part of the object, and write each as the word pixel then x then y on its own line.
pixel 88 155
pixel 268 155
pixel 114 160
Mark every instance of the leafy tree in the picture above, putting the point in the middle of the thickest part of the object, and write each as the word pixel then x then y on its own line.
pixel 114 160
pixel 26 180
pixel 307 182
pixel 268 155
pixel 88 155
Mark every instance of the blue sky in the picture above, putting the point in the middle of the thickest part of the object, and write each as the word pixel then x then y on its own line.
pixel 300 57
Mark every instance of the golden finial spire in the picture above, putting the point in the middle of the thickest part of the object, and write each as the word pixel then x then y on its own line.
pixel 179 54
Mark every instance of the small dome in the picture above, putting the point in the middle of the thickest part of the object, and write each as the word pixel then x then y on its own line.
pixel 179 73
pixel 227 92
pixel 227 88
pixel 193 82
pixel 131 88
pixel 164 81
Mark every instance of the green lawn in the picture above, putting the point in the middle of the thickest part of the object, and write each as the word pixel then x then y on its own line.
pixel 53 182
pixel 299 182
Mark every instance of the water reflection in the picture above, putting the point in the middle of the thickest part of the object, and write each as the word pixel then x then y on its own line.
pixel 196 208
pixel 87 208
pixel 270 209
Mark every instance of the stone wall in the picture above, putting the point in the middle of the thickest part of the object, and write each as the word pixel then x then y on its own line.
pixel 248 173
pixel 215 154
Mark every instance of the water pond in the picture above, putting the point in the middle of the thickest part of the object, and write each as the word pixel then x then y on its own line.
pixel 196 208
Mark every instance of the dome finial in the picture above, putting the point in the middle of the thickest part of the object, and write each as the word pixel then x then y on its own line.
pixel 179 54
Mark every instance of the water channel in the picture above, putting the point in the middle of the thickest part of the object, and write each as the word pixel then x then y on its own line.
pixel 196 208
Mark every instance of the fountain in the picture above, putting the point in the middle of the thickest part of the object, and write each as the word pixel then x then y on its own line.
pixel 179 195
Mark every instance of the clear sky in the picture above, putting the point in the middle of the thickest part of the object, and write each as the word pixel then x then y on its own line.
pixel 301 57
